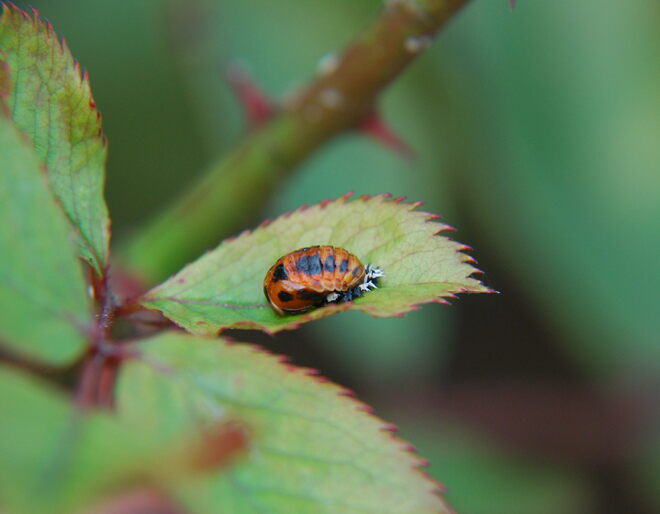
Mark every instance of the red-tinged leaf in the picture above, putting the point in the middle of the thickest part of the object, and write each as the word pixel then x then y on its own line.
pixel 50 100
pixel 224 288
pixel 310 447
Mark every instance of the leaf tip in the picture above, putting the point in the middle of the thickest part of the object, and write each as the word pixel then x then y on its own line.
pixel 9 8
pixel 363 407
pixel 347 392
pixel 449 228
pixel 409 448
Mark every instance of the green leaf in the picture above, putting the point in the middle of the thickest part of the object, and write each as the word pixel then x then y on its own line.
pixel 51 102
pixel 54 458
pixel 311 448
pixel 224 288
pixel 307 446
pixel 45 310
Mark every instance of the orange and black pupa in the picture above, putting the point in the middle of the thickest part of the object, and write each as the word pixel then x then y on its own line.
pixel 315 276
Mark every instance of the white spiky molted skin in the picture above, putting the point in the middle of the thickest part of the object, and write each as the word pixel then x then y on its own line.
pixel 371 276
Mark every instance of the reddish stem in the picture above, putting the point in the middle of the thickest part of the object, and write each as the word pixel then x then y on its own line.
pixel 99 369
pixel 86 393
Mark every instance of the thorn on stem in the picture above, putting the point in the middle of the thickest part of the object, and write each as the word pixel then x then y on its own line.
pixel 256 104
pixel 374 126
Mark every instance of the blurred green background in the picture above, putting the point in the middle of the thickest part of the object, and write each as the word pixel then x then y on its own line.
pixel 537 134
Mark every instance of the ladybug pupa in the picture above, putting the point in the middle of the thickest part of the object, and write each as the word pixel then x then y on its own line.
pixel 315 276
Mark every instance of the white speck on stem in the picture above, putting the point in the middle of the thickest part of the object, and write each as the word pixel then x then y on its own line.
pixel 417 44
pixel 327 64
pixel 331 98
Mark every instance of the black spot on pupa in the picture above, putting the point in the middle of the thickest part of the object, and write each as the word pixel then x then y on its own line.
pixel 313 296
pixel 356 271
pixel 279 273
pixel 329 264
pixel 344 266
pixel 314 265
pixel 284 296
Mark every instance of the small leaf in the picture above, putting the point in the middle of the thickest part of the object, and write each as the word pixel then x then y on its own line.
pixel 51 102
pixel 311 448
pixel 224 289
pixel 44 307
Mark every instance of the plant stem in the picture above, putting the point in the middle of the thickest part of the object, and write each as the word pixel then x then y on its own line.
pixel 337 100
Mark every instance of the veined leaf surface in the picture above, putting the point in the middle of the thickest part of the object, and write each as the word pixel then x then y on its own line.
pixel 310 448
pixel 50 101
pixel 224 288
pixel 44 307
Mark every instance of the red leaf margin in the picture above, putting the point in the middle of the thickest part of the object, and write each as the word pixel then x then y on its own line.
pixel 435 488
pixel 78 84
pixel 9 9
pixel 329 310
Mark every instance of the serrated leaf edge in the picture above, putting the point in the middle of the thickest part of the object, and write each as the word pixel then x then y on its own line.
pixel 11 9
pixel 436 488
pixel 336 308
